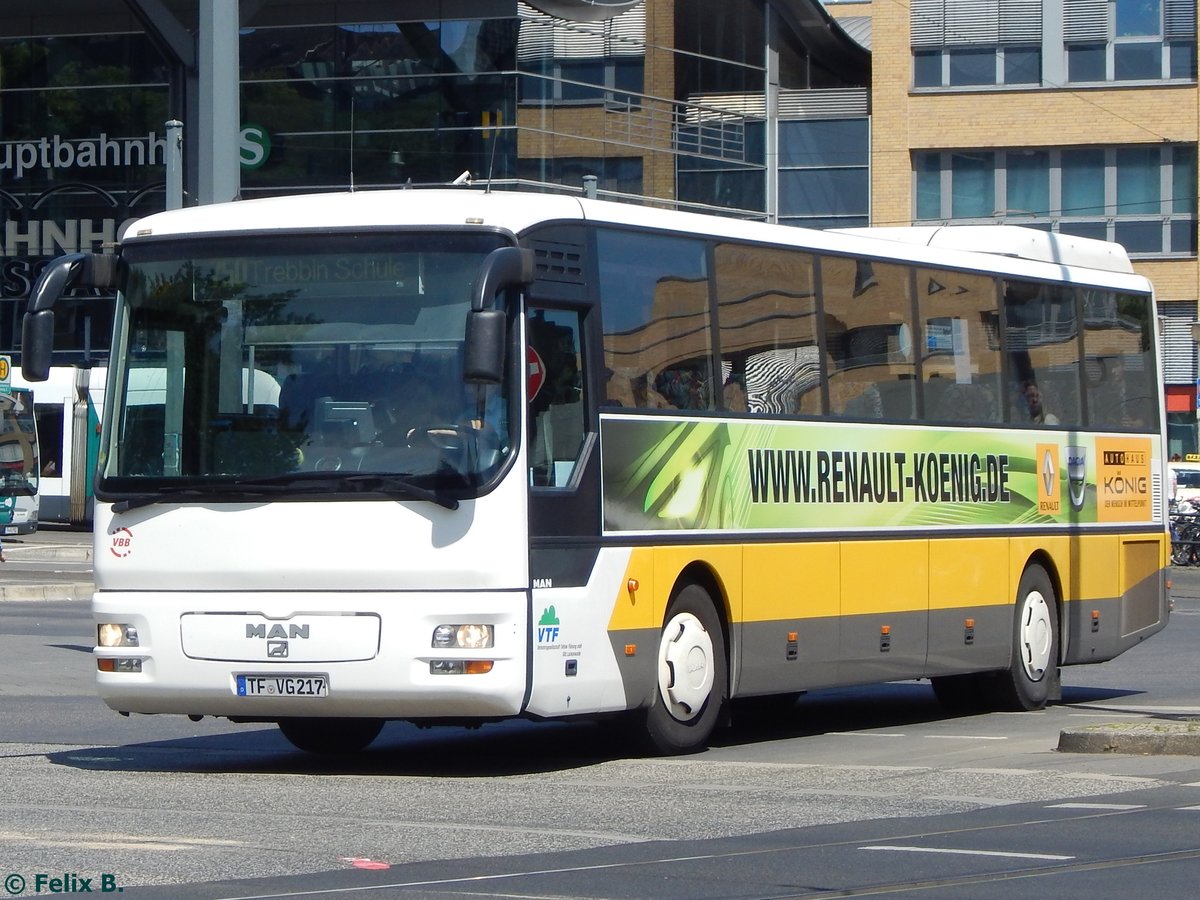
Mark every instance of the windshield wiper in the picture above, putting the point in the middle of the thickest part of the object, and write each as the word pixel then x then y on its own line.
pixel 162 495
pixel 397 486
pixel 311 483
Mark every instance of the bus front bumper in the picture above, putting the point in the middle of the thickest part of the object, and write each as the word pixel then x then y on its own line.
pixel 274 655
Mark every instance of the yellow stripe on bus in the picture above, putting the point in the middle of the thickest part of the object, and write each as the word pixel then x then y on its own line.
pixel 822 579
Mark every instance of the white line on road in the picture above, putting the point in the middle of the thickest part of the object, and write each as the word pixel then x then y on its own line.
pixel 901 849
pixel 1116 807
pixel 966 737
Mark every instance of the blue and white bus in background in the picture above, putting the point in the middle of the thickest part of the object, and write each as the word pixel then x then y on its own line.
pixel 19 462
pixel 67 413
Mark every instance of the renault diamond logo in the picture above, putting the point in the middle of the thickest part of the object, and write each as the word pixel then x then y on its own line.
pixel 277 649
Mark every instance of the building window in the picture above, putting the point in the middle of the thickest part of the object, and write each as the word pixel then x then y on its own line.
pixel 1141 196
pixel 970 43
pixel 976 42
pixel 977 66
pixel 1130 40
pixel 824 173
pixel 973 185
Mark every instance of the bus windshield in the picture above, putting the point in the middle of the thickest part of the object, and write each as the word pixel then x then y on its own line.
pixel 300 363
pixel 18 445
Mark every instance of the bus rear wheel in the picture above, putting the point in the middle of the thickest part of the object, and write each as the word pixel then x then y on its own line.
pixel 1026 684
pixel 330 735
pixel 692 675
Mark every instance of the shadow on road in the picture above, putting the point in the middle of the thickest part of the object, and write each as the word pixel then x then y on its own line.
pixel 522 747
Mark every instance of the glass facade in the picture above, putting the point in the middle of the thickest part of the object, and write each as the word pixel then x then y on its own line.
pixel 664 101
pixel 81 117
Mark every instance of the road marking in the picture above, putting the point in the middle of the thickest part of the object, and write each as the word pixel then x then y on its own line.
pixel 887 734
pixel 1190 808
pixel 966 737
pixel 109 841
pixel 948 850
pixel 1116 807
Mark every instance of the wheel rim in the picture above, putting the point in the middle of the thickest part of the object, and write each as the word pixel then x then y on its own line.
pixel 1036 638
pixel 685 666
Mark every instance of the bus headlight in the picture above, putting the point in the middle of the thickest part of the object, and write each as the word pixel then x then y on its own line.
pixel 116 634
pixel 463 637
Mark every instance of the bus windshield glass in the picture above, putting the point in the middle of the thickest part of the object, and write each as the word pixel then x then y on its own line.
pixel 300 363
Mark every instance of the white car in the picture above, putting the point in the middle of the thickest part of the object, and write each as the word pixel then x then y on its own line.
pixel 1186 476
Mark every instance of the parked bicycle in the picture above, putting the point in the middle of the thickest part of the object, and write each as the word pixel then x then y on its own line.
pixel 1185 534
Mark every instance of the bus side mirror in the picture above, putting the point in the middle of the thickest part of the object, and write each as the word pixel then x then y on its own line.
pixel 483 353
pixel 483 356
pixel 37 327
pixel 37 344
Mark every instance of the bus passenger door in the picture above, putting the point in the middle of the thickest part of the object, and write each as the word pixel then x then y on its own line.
pixel 572 668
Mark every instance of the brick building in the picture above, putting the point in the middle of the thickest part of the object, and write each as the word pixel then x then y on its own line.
pixel 1076 116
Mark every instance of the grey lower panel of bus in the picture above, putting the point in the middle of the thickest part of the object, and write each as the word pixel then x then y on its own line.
pixel 871 648
pixel 1102 629
pixel 639 673
pixel 832 652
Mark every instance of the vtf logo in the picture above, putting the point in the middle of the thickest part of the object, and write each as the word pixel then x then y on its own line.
pixel 548 626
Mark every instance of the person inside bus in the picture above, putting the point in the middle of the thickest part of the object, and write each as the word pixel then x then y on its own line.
pixel 1031 395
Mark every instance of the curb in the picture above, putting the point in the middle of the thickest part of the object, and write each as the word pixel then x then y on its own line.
pixel 72 552
pixel 1156 738
pixel 16 593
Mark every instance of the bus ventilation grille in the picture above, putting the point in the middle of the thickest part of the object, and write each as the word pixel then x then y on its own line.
pixel 560 262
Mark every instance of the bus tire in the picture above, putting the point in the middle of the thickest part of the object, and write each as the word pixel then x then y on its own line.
pixel 330 735
pixel 1027 683
pixel 692 679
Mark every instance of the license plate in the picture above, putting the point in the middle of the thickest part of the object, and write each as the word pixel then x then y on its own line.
pixel 282 686
pixel 10 529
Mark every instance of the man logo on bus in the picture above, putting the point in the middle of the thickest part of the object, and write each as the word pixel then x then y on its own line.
pixel 548 626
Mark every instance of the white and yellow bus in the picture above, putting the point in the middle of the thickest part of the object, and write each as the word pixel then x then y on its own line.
pixel 534 455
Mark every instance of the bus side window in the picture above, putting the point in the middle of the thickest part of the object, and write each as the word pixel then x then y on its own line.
pixel 556 409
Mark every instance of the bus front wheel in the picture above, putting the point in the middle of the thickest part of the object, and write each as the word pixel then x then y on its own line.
pixel 1027 682
pixel 330 735
pixel 692 675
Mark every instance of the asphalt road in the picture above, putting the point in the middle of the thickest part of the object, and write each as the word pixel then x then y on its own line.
pixel 850 793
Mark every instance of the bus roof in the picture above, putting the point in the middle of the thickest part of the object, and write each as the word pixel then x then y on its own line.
pixel 1000 249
